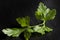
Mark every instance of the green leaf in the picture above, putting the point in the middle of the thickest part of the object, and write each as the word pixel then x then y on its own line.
pixel 30 30
pixel 27 35
pixel 14 32
pixel 42 29
pixel 40 11
pixel 42 7
pixel 38 15
pixel 39 29
pixel 44 13
pixel 47 29
pixel 25 21
pixel 50 15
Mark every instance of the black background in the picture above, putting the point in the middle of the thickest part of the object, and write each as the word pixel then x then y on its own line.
pixel 11 9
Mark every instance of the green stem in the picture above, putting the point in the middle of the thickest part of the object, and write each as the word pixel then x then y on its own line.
pixel 44 23
pixel 39 24
pixel 26 38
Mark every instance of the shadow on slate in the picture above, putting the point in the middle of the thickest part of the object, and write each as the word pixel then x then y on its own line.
pixel 11 9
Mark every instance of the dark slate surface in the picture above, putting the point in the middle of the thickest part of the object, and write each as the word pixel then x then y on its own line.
pixel 11 9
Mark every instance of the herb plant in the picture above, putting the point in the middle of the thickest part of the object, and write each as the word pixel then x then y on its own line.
pixel 42 13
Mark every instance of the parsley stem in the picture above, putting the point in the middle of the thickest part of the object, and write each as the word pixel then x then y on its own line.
pixel 44 23
pixel 26 38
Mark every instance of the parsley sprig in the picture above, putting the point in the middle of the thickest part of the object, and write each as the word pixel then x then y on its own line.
pixel 42 13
